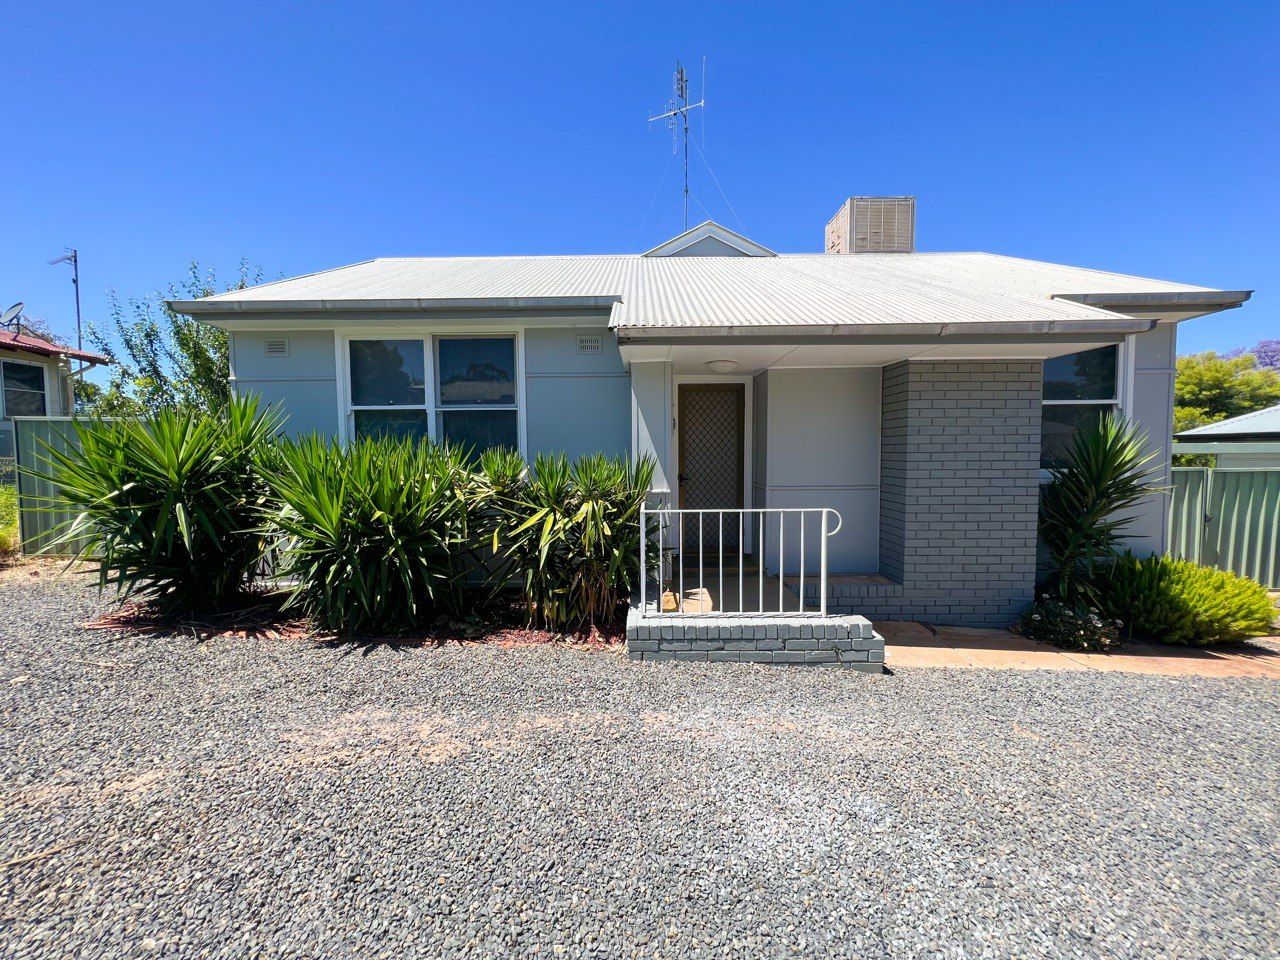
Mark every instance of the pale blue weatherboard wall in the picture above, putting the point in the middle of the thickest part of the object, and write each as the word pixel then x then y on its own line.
pixel 304 384
pixel 575 402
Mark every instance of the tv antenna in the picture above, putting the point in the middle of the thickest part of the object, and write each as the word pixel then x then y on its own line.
pixel 677 117
pixel 72 256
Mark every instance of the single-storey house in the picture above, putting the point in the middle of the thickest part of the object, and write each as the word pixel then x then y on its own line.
pixel 852 434
pixel 36 380
pixel 1250 441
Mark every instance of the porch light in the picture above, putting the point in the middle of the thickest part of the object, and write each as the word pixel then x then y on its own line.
pixel 722 366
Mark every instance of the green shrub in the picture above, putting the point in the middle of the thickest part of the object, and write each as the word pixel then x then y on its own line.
pixel 1177 601
pixel 1106 471
pixel 376 533
pixel 169 505
pixel 569 532
pixel 8 519
pixel 1069 626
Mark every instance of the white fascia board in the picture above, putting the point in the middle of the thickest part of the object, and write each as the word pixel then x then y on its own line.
pixel 1108 328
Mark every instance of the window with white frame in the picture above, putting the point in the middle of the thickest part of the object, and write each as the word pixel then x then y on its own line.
pixel 24 393
pixel 1077 388
pixel 456 388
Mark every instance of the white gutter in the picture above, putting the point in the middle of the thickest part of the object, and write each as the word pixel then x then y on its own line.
pixel 194 307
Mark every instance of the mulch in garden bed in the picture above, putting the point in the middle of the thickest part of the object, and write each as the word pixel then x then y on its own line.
pixel 262 617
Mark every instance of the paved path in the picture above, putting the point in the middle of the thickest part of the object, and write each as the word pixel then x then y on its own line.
pixel 916 645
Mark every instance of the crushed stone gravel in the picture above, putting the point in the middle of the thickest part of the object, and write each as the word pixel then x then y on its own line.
pixel 161 796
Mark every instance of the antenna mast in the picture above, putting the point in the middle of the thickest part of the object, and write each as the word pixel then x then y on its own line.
pixel 677 116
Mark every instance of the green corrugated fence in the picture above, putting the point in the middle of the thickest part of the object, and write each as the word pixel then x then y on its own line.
pixel 1228 518
pixel 36 519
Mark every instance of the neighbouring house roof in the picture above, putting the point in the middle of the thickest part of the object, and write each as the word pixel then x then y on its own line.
pixel 654 294
pixel 45 348
pixel 1259 425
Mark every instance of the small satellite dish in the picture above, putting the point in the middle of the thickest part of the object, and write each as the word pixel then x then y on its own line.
pixel 11 314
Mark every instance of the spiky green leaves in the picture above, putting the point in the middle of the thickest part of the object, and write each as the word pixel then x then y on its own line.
pixel 168 505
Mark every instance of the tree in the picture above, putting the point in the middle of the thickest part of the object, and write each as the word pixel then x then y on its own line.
pixel 160 358
pixel 1265 352
pixel 1210 388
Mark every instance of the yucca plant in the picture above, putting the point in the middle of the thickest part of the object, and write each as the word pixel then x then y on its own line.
pixel 1106 471
pixel 167 506
pixel 1177 601
pixel 375 535
pixel 571 535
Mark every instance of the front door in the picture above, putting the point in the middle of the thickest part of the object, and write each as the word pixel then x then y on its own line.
pixel 711 456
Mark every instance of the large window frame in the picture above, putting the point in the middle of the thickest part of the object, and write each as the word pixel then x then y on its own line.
pixel 44 375
pixel 431 406
pixel 1121 401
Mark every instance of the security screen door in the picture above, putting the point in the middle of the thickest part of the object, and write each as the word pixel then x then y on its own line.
pixel 711 459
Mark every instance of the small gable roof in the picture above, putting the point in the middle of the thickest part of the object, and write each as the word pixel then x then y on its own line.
pixel 711 236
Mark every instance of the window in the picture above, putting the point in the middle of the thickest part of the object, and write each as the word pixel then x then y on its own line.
pixel 477 385
pixel 460 389
pixel 1077 388
pixel 23 389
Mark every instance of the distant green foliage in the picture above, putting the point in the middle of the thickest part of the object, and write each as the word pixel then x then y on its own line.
pixel 1209 388
pixel 169 505
pixel 1069 626
pixel 375 534
pixel 1177 601
pixel 8 519
pixel 1104 473
pixel 160 358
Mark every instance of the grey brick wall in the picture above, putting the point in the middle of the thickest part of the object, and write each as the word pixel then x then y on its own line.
pixel 959 489
pixel 847 642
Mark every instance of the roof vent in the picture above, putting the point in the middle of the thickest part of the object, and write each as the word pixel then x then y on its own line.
pixel 873 225
pixel 275 347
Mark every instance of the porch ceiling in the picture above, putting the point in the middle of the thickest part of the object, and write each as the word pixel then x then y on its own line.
pixel 692 358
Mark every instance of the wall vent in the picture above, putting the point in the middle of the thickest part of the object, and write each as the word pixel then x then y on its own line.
pixel 589 343
pixel 275 347
pixel 873 225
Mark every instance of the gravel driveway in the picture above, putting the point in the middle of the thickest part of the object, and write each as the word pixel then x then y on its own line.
pixel 258 798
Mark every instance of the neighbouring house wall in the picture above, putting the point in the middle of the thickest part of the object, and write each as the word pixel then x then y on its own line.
pixel 959 474
pixel 652 396
pixel 822 442
pixel 304 384
pixel 56 396
pixel 1150 406
pixel 575 403
pixel 1248 461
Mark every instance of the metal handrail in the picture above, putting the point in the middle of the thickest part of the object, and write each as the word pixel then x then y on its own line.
pixel 668 517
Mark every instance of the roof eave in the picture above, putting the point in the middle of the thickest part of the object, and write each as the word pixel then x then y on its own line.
pixel 193 308
pixel 1206 301
pixel 1108 327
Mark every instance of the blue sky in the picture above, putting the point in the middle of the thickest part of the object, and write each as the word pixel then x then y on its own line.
pixel 1135 137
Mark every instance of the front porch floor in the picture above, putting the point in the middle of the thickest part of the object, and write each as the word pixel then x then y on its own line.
pixel 910 645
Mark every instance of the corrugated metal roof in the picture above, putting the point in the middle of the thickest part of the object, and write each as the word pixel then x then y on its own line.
pixel 1247 424
pixel 46 348
pixel 670 293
